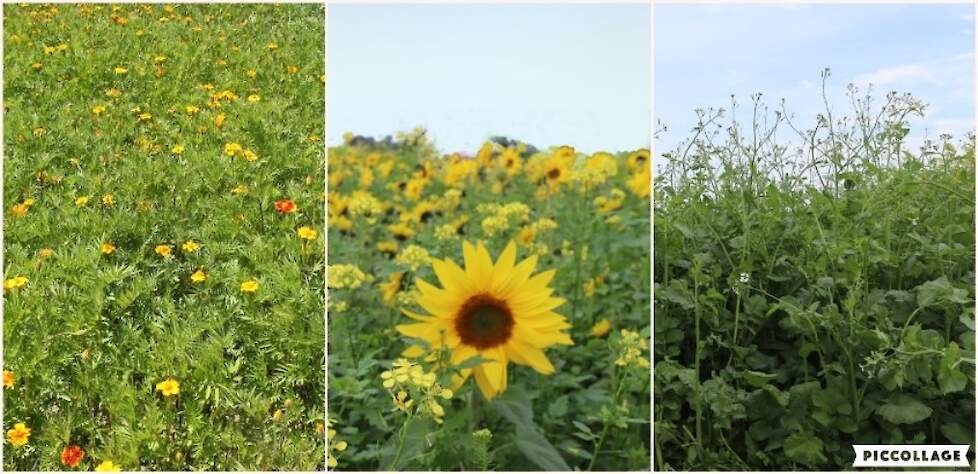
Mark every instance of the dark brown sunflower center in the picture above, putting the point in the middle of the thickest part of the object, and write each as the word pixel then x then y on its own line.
pixel 554 173
pixel 484 322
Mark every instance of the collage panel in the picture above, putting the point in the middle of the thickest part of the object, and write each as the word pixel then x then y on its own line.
pixel 488 237
pixel 163 169
pixel 814 235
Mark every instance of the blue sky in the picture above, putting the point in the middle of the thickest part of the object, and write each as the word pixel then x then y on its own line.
pixel 544 74
pixel 705 53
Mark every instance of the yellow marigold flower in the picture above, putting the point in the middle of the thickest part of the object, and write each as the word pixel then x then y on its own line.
pixel 277 415
pixel 159 59
pixel 190 246
pixel 219 120
pixel 8 379
pixel 192 109
pixel 20 209
pixel 249 155
pixel 37 65
pixel 107 248
pixel 81 201
pixel 163 249
pixel 249 286
pixel 19 435
pixel 113 92
pixel 15 282
pixel 231 149
pixel 108 466
pixel 240 189
pixel 107 200
pixel 251 73
pixel 177 149
pixel 120 70
pixel 145 116
pixel 45 253
pixel 98 109
pixel 198 277
pixel 168 387
pixel 601 328
pixel 254 98
pixel 307 233
pixel 273 46
pixel 292 69
pixel 49 50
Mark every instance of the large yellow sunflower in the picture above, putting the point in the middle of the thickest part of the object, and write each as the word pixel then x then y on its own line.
pixel 501 312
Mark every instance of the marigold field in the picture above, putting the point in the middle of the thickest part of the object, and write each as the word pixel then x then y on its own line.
pixel 163 248
pixel 814 288
pixel 487 311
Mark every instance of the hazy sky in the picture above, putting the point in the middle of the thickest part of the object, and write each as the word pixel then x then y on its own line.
pixel 705 53
pixel 544 74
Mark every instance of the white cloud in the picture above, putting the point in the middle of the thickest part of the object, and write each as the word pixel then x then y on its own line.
pixel 935 72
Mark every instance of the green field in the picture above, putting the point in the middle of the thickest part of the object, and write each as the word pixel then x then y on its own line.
pixel 161 311
pixel 808 300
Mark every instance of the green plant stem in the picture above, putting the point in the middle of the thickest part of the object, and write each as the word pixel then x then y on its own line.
pixel 400 443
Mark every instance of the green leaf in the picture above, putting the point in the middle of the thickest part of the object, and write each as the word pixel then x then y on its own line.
pixel 957 434
pixel 515 406
pixel 804 448
pixel 950 378
pixel 757 379
pixel 538 450
pixel 414 444
pixel 904 409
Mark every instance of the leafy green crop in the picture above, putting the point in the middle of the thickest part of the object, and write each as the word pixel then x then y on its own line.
pixel 811 297
pixel 118 190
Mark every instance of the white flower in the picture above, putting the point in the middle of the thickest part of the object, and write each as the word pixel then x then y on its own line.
pixel 745 278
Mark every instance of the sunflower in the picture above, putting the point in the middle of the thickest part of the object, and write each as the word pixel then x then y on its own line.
pixel 556 170
pixel 638 159
pixel 510 161
pixel 499 311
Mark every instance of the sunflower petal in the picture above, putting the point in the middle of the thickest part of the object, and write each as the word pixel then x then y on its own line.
pixel 533 356
pixel 502 273
pixel 450 275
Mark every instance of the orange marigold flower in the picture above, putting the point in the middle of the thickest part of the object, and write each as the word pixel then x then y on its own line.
pixel 285 206
pixel 8 379
pixel 72 455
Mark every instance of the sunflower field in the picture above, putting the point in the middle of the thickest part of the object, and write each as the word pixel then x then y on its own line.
pixel 487 312
pixel 163 248
pixel 815 292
